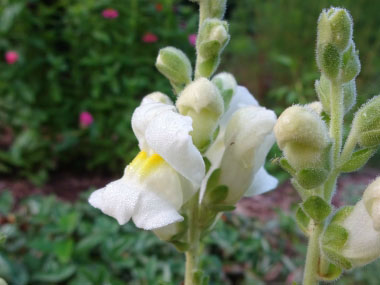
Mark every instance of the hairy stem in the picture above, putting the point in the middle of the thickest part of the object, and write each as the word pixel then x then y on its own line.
pixel 194 235
pixel 312 257
pixel 336 124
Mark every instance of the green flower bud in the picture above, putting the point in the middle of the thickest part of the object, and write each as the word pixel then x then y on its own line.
pixel 303 137
pixel 217 8
pixel 367 123
pixel 335 27
pixel 350 64
pixel 323 88
pixel 226 84
pixel 212 39
pixel 201 100
pixel 176 66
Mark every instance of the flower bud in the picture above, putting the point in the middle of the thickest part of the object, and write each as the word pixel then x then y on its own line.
pixel 303 137
pixel 175 65
pixel 201 100
pixel 335 27
pixel 217 8
pixel 157 97
pixel 248 139
pixel 316 106
pixel 226 84
pixel 212 39
pixel 367 123
pixel 323 88
pixel 329 60
pixel 350 63
pixel 371 199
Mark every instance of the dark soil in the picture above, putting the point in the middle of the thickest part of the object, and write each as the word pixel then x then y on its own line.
pixel 68 187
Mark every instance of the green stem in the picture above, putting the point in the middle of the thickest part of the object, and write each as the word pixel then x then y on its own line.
pixel 336 124
pixel 312 257
pixel 194 238
pixel 203 15
pixel 349 147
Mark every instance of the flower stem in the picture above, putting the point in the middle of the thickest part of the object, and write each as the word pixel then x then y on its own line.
pixel 312 257
pixel 336 124
pixel 194 236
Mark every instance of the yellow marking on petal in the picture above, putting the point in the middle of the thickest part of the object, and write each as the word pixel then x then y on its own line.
pixel 139 160
pixel 150 164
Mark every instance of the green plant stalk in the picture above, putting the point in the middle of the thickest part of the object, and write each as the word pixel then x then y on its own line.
pixel 192 253
pixel 336 131
pixel 203 15
pixel 312 257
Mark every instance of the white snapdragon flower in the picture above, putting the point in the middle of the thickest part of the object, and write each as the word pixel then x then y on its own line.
pixel 163 176
pixel 244 140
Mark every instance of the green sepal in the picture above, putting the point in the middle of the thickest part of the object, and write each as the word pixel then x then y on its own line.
pixel 341 214
pixel 217 195
pixel 335 236
pixel 358 160
pixel 285 165
pixel 213 180
pixel 350 64
pixel 216 133
pixel 180 245
pixel 329 60
pixel 221 208
pixel 303 221
pixel 334 257
pixel 316 208
pixel 310 178
pixel 341 28
pixel 200 278
pixel 207 163
pixel 332 274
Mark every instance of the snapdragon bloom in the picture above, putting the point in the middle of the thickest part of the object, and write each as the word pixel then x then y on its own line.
pixel 85 119
pixel 11 57
pixel 192 39
pixel 149 38
pixel 110 13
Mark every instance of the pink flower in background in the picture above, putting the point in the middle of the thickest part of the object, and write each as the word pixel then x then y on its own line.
pixel 192 39
pixel 159 7
pixel 110 13
pixel 149 38
pixel 85 119
pixel 11 56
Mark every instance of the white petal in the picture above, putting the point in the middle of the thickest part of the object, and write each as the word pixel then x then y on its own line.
pixel 242 98
pixel 168 135
pixel 153 212
pixel 156 97
pixel 118 200
pixel 143 115
pixel 262 182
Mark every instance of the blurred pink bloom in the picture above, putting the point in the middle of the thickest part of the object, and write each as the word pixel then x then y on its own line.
pixel 110 13
pixel 11 56
pixel 150 38
pixel 85 119
pixel 192 39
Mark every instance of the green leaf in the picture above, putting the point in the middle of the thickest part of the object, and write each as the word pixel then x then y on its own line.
pixel 285 165
pixel 181 246
pixel 213 181
pixel 302 220
pixel 310 178
pixel 207 163
pixel 316 208
pixel 334 257
pixel 59 275
pixel 69 222
pixel 341 214
pixel 63 250
pixel 358 160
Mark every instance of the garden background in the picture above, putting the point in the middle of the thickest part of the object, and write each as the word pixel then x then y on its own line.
pixel 71 74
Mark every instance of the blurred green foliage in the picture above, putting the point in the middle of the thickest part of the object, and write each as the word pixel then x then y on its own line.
pixel 72 59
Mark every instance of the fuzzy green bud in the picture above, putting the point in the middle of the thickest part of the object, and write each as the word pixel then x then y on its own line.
pixel 226 84
pixel 201 100
pixel 366 123
pixel 175 66
pixel 329 60
pixel 350 63
pixel 212 39
pixel 216 8
pixel 323 89
pixel 335 27
pixel 303 137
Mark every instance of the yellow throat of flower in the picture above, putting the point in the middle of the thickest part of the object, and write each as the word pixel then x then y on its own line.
pixel 144 165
